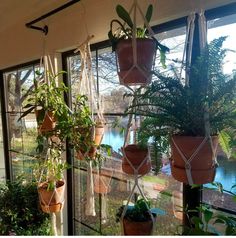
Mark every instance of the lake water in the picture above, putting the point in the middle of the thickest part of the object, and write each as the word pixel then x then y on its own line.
pixel 225 173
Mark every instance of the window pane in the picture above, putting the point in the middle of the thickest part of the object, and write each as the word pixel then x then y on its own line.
pixel 2 160
pixel 175 40
pixel 22 133
pixel 225 173
pixel 164 192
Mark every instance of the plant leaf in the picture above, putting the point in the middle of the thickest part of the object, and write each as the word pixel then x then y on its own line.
pixel 26 112
pixel 124 15
pixel 149 13
pixel 224 140
pixel 208 215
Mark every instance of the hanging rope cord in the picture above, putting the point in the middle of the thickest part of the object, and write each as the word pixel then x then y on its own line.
pixel 46 64
pixel 135 65
pixel 60 196
pixel 94 98
pixel 207 138
pixel 86 80
pixel 87 83
pixel 134 9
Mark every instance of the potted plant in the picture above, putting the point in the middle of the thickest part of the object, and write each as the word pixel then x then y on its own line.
pixel 135 48
pixel 47 100
pixel 136 159
pixel 192 113
pixel 19 213
pixel 99 131
pixel 212 221
pixel 51 186
pixel 137 220
pixel 83 129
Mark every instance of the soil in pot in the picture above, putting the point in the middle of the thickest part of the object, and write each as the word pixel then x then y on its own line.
pixel 129 74
pixel 136 155
pixel 51 200
pixel 202 165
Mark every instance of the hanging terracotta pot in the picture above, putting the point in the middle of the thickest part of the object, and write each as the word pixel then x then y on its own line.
pixel 48 123
pixel 135 155
pixel 99 132
pixel 202 165
pixel 51 200
pixel 102 184
pixel 133 228
pixel 80 154
pixel 129 73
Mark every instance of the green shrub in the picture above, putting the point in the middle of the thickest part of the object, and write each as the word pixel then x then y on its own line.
pixel 19 210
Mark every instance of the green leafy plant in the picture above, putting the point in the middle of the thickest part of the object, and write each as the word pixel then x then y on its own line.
pixel 51 168
pixel 180 108
pixel 47 97
pixel 139 212
pixel 206 224
pixel 227 141
pixel 126 30
pixel 19 213
pixel 81 136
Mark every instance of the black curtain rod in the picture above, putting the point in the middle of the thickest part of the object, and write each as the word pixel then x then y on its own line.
pixel 45 28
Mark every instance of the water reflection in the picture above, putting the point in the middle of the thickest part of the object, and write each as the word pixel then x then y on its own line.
pixel 113 138
pixel 225 173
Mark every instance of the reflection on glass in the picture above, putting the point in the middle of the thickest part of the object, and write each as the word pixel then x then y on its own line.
pixel 225 173
pixel 164 192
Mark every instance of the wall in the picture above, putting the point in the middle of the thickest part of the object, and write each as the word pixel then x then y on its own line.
pixel 69 28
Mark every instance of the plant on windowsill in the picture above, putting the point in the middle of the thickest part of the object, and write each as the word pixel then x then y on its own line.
pixel 138 218
pixel 135 47
pixel 189 112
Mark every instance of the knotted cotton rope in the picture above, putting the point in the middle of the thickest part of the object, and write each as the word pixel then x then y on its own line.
pixel 207 138
pixel 133 9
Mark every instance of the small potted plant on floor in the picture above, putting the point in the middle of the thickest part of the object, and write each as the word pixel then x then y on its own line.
pixel 135 47
pixel 137 220
pixel 192 113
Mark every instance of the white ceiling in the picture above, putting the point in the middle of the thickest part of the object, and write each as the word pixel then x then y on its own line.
pixel 12 11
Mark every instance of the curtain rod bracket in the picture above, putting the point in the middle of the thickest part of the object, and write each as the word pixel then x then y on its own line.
pixel 43 29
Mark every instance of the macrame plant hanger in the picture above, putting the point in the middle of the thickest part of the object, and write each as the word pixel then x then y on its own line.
pixel 132 120
pixel 135 6
pixel 87 86
pixel 102 186
pixel 47 66
pixel 135 175
pixel 207 138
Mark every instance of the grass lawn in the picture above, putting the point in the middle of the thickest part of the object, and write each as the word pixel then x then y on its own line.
pixel 154 179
